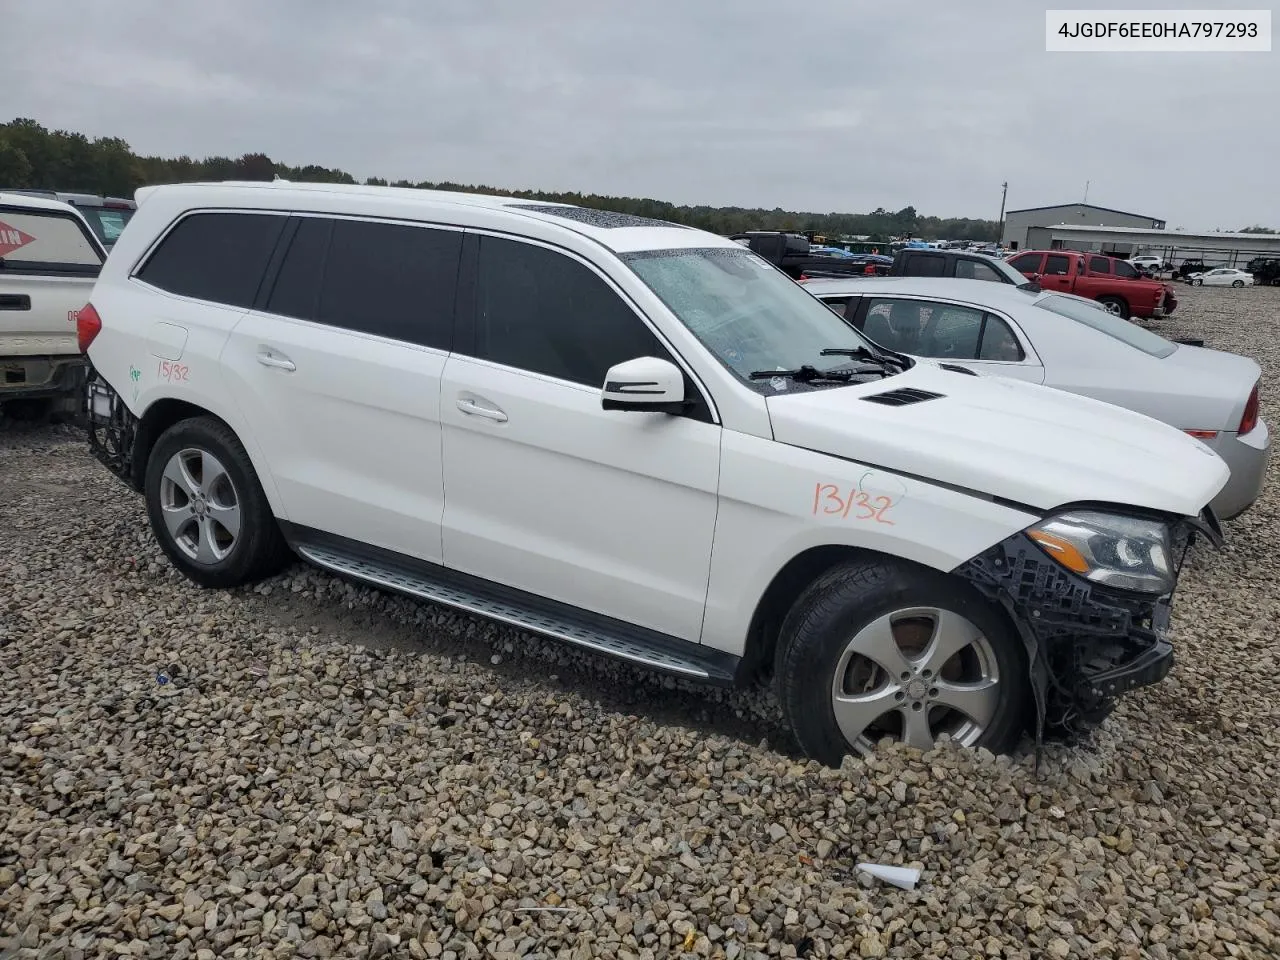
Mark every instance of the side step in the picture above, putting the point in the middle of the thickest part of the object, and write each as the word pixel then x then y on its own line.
pixel 525 611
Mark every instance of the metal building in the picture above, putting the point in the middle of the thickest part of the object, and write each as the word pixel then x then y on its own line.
pixel 1018 222
pixel 1172 246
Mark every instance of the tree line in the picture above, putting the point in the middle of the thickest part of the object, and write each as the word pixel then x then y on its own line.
pixel 33 157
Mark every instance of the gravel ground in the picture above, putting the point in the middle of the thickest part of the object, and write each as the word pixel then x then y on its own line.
pixel 314 769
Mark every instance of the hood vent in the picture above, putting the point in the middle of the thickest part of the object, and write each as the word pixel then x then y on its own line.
pixel 957 369
pixel 902 397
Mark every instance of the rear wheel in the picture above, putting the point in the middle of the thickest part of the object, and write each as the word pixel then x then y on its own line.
pixel 207 507
pixel 877 649
pixel 1237 283
pixel 1115 305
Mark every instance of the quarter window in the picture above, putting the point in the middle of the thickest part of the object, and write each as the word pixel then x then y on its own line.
pixel 542 311
pixel 219 257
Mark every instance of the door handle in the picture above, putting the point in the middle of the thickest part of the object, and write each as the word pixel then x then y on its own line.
pixel 473 409
pixel 269 358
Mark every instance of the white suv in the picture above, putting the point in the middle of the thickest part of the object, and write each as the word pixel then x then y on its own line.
pixel 638 438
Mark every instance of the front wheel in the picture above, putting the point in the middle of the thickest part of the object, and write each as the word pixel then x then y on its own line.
pixel 207 507
pixel 878 649
pixel 1196 283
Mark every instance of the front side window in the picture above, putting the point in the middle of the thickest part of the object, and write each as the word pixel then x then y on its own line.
pixel 1027 262
pixel 36 241
pixel 219 257
pixel 1126 270
pixel 977 270
pixel 545 312
pixel 750 315
pixel 1086 312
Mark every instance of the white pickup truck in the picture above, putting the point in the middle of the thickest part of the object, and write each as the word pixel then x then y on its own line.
pixel 49 259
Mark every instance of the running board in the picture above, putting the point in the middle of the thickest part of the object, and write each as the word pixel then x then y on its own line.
pixel 535 614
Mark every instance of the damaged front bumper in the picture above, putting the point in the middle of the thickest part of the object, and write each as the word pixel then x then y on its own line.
pixel 1087 644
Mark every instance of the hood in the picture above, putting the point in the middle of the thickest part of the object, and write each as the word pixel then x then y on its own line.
pixel 1007 438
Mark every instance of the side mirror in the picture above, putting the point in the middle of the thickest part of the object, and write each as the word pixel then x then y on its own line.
pixel 646 384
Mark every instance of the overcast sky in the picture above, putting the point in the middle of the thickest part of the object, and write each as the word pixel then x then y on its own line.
pixel 822 105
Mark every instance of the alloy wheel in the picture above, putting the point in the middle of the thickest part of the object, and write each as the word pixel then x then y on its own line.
pixel 916 674
pixel 200 506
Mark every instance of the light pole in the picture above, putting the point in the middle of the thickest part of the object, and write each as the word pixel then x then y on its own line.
pixel 1000 234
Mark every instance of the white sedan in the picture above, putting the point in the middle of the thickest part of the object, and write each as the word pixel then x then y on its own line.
pixel 1073 344
pixel 1221 277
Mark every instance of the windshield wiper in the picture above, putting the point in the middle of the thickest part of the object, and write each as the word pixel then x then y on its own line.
pixel 862 353
pixel 806 373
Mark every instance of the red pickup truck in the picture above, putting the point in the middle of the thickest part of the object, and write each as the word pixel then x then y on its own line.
pixel 1113 283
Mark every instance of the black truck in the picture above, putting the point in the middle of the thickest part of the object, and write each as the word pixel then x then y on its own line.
pixel 791 253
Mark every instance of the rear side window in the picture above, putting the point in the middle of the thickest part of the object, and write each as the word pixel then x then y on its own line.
pixel 219 257
pixel 391 280
pixel 1057 265
pixel 38 242
pixel 925 265
pixel 1027 262
pixel 541 311
pixel 1099 265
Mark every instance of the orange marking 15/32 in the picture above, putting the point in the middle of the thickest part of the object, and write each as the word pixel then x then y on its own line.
pixel 856 504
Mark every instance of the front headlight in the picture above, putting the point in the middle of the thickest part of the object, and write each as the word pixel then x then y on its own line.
pixel 1123 552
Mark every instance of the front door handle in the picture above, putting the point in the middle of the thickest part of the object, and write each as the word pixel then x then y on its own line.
pixel 473 409
pixel 269 358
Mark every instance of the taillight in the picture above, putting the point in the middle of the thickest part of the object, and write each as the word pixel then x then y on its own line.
pixel 88 326
pixel 1250 418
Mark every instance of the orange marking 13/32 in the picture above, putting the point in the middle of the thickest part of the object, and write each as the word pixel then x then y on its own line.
pixel 827 500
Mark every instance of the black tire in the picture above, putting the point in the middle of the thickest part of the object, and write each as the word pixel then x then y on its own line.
pixel 259 549
pixel 1237 283
pixel 1196 282
pixel 853 595
pixel 28 409
pixel 1121 307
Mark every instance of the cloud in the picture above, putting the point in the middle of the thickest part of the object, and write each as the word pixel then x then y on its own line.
pixel 823 106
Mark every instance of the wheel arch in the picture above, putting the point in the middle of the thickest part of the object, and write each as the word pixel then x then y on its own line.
pixel 790 583
pixel 163 413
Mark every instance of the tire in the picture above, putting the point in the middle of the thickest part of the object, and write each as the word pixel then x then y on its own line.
pixel 845 611
pixel 201 542
pixel 1115 305
pixel 28 409
pixel 1196 283
pixel 1237 283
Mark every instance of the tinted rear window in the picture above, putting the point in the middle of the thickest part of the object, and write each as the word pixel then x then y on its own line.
pixel 391 280
pixel 219 257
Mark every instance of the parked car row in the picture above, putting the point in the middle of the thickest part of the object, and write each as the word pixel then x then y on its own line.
pixel 656 445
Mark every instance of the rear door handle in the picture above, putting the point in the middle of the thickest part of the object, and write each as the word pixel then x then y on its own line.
pixel 269 358
pixel 474 409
